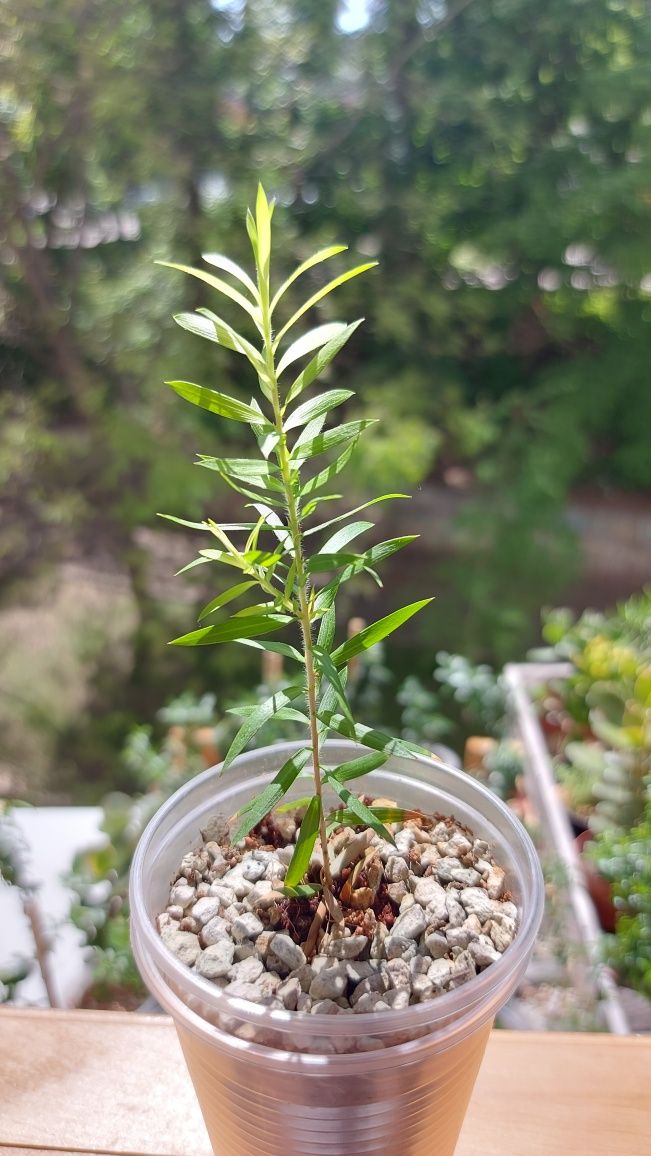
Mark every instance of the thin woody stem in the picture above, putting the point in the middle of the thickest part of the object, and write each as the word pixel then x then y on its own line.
pixel 302 611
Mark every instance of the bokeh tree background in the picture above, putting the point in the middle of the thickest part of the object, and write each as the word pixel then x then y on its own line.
pixel 494 155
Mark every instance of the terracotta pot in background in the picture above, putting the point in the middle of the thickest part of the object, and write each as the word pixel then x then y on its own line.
pixel 598 887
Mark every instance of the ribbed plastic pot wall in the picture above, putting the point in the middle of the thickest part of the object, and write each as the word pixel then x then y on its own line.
pixel 277 1083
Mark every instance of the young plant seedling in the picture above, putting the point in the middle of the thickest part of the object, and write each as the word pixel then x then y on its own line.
pixel 287 546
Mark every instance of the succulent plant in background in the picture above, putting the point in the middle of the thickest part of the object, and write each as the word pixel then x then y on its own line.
pixel 609 697
pixel 624 859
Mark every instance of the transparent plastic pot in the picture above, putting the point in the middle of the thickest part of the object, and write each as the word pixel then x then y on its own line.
pixel 278 1083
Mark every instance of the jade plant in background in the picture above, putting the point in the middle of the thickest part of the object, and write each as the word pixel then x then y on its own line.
pixel 291 555
pixel 605 711
pixel 624 859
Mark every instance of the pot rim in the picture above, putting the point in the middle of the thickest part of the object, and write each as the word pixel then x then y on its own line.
pixel 434 1014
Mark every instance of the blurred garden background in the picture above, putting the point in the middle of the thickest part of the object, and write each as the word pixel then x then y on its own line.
pixel 495 157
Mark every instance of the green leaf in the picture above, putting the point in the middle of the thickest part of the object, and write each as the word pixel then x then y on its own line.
pixel 218 261
pixel 361 562
pixel 317 406
pixel 214 402
pixel 242 559
pixel 253 233
pixel 318 296
pixel 323 442
pixel 266 434
pixel 369 737
pixel 255 811
pixel 349 513
pixel 249 470
pixel 263 229
pixel 205 323
pixel 259 716
pixel 302 891
pixel 232 630
pixel 307 834
pixel 316 259
pixel 276 525
pixel 319 363
pixel 307 434
pixel 191 565
pixel 359 809
pixel 221 286
pixel 277 647
pixel 342 537
pixel 368 637
pixel 326 635
pixel 355 768
pixel 326 475
pixel 348 818
pixel 320 563
pixel 313 339
pixel 223 599
pixel 326 667
pixel 213 464
pixel 293 805
pixel 311 506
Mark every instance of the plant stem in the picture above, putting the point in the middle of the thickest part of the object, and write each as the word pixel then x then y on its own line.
pixel 302 611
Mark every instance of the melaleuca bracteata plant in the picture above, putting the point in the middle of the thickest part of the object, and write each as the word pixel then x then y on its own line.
pixel 290 559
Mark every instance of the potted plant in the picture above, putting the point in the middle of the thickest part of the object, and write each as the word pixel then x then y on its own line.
pixel 333 960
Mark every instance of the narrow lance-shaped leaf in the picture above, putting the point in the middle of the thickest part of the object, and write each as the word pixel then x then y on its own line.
pixel 218 261
pixel 214 402
pixel 221 286
pixel 261 714
pixel 326 635
pixel 207 526
pixel 204 323
pixel 307 434
pixel 229 595
pixel 232 630
pixel 349 513
pixel 257 808
pixel 328 670
pixel 304 844
pixel 370 737
pixel 276 647
pixel 367 637
pixel 362 562
pixel 263 229
pixel 315 259
pixel 321 563
pixel 327 707
pixel 355 768
pixel 347 818
pixel 313 339
pixel 213 464
pixel 326 475
pixel 317 406
pixel 316 297
pixel 323 442
pixel 252 232
pixel 342 537
pixel 364 814
pixel 323 358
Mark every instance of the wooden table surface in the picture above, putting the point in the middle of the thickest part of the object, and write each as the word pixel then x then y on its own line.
pixel 112 1083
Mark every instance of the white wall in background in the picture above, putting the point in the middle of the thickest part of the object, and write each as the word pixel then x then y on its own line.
pixel 52 837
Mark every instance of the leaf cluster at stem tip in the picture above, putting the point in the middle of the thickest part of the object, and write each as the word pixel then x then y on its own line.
pixel 281 547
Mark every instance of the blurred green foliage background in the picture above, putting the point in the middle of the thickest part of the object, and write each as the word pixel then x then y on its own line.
pixel 494 155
